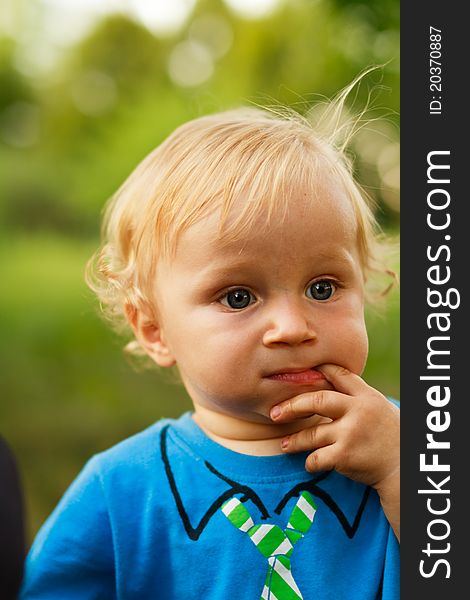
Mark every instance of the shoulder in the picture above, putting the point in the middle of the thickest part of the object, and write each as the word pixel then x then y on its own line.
pixel 128 469
pixel 132 455
pixel 138 447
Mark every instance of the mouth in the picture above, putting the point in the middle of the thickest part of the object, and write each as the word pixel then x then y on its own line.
pixel 298 376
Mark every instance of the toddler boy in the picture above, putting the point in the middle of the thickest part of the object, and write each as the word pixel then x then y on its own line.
pixel 238 251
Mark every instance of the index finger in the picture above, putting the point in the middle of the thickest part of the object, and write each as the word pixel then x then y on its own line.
pixel 342 379
pixel 326 403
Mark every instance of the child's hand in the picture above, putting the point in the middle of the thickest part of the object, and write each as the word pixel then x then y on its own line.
pixel 360 437
pixel 362 440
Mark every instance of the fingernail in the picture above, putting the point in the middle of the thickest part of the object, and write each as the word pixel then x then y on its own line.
pixel 285 443
pixel 275 412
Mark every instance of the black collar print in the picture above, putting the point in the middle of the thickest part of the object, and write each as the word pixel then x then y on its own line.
pixel 248 493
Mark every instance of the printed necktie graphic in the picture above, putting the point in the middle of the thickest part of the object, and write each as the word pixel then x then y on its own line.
pixel 275 544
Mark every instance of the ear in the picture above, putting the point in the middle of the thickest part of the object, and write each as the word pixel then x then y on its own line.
pixel 150 335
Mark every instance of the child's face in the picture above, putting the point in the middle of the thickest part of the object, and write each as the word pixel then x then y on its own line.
pixel 242 320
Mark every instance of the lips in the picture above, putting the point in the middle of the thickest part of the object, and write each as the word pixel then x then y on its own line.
pixel 298 376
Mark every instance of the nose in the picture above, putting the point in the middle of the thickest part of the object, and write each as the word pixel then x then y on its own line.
pixel 290 323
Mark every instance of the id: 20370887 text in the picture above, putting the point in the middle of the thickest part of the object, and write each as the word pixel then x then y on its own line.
pixel 435 70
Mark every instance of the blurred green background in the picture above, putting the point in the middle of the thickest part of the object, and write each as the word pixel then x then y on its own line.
pixel 87 89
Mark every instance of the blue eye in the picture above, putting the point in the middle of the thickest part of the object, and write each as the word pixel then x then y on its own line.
pixel 237 299
pixel 321 290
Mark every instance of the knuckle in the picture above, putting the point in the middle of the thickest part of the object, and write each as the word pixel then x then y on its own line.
pixel 288 407
pixel 343 428
pixel 296 407
pixel 319 398
pixel 312 437
pixel 292 442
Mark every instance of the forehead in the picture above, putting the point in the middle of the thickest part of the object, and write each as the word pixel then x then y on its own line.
pixel 314 223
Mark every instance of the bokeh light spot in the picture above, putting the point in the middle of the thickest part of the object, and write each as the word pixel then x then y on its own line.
pixel 190 64
pixel 94 93
pixel 214 32
pixel 252 9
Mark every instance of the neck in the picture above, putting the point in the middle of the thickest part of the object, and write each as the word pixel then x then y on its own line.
pixel 248 437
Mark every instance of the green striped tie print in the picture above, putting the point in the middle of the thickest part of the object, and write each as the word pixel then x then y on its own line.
pixel 275 544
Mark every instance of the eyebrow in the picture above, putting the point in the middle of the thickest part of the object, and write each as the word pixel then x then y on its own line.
pixel 219 272
pixel 227 269
pixel 343 256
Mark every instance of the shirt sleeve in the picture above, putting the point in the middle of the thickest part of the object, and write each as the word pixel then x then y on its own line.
pixel 72 555
pixel 391 576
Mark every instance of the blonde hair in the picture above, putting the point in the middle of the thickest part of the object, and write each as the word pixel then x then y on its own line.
pixel 249 157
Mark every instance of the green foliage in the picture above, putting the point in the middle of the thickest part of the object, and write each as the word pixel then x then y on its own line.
pixel 123 50
pixel 67 389
pixel 14 87
pixel 111 98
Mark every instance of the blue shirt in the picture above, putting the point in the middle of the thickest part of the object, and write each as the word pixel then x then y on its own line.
pixel 143 520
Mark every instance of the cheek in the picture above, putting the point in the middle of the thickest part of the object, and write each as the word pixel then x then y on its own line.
pixel 361 352
pixel 349 340
pixel 210 350
pixel 357 348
